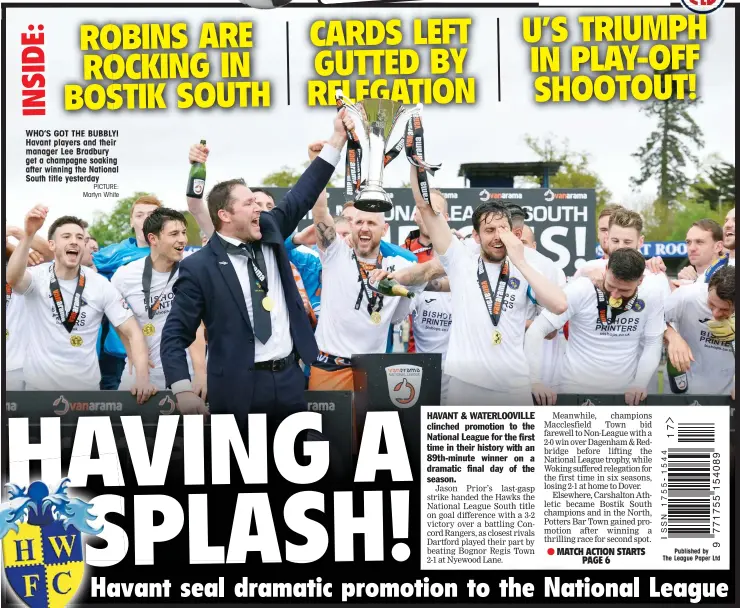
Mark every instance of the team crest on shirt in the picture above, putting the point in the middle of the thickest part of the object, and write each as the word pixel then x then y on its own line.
pixel 639 305
pixel 42 543
pixel 514 283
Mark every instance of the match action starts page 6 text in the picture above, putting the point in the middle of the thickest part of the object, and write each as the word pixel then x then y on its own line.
pixel 567 488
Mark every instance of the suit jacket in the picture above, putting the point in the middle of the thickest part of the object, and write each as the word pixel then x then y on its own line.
pixel 210 292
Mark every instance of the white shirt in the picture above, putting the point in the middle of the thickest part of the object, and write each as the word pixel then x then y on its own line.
pixel 431 313
pixel 651 281
pixel 552 350
pixel 471 356
pixel 344 331
pixel 280 344
pixel 16 337
pixel 52 362
pixel 702 278
pixel 128 281
pixel 602 359
pixel 713 371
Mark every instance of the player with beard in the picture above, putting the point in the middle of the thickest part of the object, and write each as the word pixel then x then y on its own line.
pixel 704 344
pixel 146 285
pixel 603 227
pixel 615 336
pixel 485 358
pixel 729 235
pixel 625 231
pixel 66 302
pixel 354 318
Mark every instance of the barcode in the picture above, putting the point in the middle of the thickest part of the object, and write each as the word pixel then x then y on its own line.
pixel 696 432
pixel 689 492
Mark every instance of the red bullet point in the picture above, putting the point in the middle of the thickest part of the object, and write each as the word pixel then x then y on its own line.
pixel 551 551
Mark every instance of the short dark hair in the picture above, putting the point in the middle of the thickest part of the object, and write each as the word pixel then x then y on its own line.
pixel 220 198
pixel 264 191
pixel 626 264
pixel 154 223
pixel 710 226
pixel 723 281
pixel 489 208
pixel 518 214
pixel 65 219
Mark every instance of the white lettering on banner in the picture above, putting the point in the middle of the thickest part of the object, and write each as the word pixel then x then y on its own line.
pixel 557 213
pixel 561 252
pixel 400 213
pixel 461 213
pixel 568 488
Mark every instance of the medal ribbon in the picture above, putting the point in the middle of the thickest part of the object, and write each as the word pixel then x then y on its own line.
pixel 68 320
pixel 353 162
pixel 261 276
pixel 421 249
pixel 146 282
pixel 719 263
pixel 494 302
pixel 8 295
pixel 374 299
pixel 602 306
pixel 413 142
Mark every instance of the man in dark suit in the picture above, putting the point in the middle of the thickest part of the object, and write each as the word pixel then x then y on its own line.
pixel 241 286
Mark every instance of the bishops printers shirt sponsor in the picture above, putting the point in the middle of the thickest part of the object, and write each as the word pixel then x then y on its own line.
pixel 432 315
pixel 602 357
pixel 713 371
pixel 57 359
pixel 344 331
pixel 472 355
pixel 128 281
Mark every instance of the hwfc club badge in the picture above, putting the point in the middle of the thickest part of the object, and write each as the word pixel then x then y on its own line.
pixel 42 543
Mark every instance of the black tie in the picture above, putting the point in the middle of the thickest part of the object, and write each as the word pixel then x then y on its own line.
pixel 260 315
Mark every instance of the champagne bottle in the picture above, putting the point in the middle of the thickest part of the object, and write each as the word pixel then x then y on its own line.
pixel 391 287
pixel 197 178
pixel 678 381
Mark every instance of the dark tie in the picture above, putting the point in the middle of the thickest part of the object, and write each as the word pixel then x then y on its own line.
pixel 260 316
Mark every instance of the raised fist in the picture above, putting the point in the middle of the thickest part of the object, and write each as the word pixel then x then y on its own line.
pixel 35 218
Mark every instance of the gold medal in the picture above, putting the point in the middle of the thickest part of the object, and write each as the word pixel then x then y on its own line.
pixel 75 340
pixel 497 337
pixel 7 334
pixel 267 303
pixel 149 329
pixel 375 317
pixel 615 302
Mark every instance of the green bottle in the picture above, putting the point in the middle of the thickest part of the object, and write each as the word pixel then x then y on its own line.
pixel 197 179
pixel 391 287
pixel 678 381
